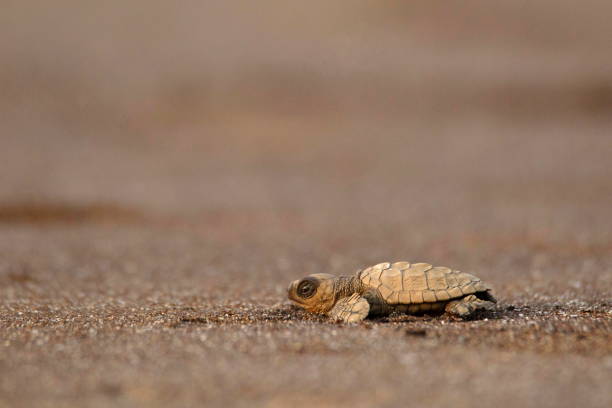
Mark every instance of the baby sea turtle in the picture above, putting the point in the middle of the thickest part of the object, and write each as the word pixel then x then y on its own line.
pixel 392 287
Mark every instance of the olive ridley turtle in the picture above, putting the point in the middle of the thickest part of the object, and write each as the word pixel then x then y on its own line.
pixel 381 289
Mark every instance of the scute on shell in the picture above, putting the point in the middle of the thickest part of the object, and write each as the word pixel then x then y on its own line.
pixel 406 283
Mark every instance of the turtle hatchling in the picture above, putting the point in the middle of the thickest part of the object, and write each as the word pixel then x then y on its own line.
pixel 392 287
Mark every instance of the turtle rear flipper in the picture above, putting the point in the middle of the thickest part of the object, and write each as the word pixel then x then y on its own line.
pixel 350 309
pixel 467 305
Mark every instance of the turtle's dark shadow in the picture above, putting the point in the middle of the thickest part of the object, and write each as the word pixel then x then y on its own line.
pixel 498 313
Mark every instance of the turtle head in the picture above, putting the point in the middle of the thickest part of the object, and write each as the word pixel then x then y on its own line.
pixel 315 293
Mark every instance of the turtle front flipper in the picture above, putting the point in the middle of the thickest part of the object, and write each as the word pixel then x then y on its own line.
pixel 350 309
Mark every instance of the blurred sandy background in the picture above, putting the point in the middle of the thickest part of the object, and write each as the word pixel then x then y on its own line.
pixel 303 105
pixel 175 157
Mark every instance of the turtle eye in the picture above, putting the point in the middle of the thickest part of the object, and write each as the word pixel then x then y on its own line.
pixel 306 288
